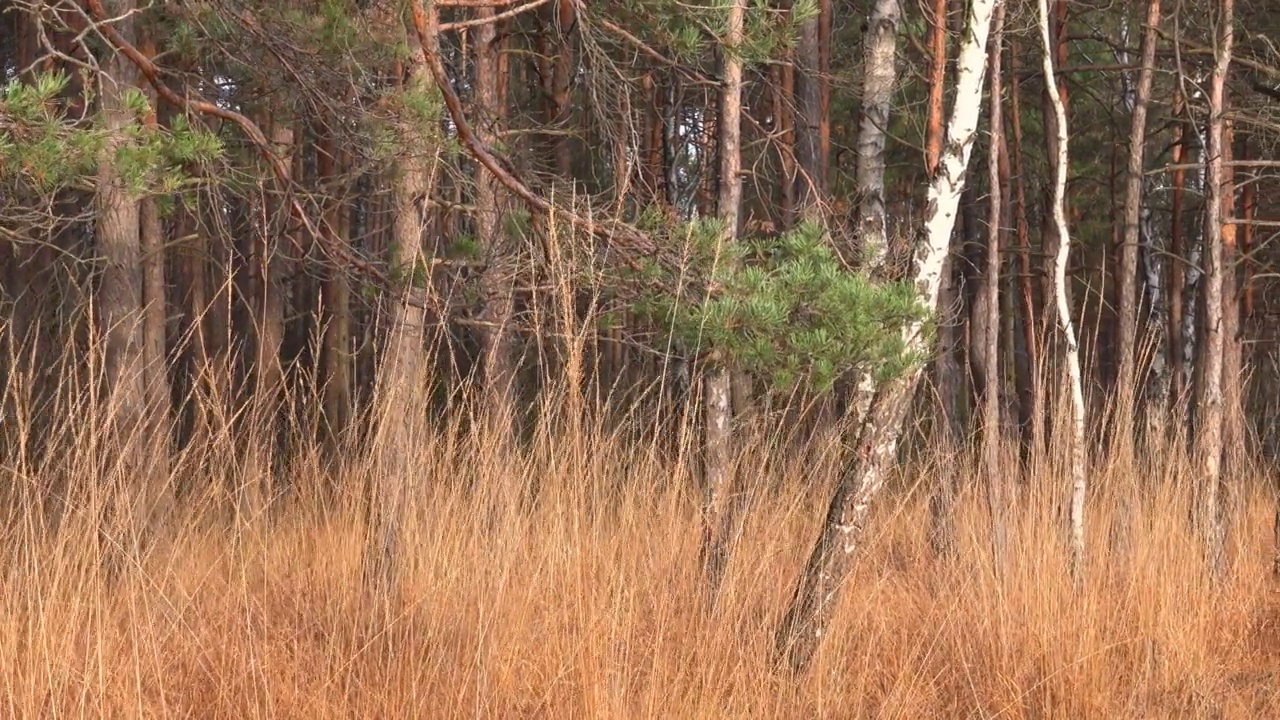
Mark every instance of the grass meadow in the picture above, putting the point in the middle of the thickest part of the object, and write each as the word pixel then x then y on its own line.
pixel 561 579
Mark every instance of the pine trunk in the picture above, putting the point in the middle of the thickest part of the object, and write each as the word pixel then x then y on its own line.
pixel 497 280
pixel 997 491
pixel 1210 401
pixel 128 489
pixel 719 473
pixel 1127 373
pixel 1031 388
pixel 402 382
pixel 335 300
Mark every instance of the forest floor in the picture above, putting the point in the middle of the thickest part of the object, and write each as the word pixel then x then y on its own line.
pixel 578 595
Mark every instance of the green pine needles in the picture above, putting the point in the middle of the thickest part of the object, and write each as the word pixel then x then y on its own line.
pixel 42 150
pixel 787 310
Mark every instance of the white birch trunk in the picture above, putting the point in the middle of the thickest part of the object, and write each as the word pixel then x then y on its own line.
pixel 1193 276
pixel 879 75
pixel 1072 349
pixel 833 554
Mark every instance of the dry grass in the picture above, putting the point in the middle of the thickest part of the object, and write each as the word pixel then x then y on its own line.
pixel 564 583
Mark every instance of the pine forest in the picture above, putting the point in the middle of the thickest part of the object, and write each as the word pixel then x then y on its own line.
pixel 639 358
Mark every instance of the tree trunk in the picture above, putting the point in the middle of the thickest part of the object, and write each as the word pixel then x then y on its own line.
pixel 1050 240
pixel 784 119
pixel 1209 430
pixel 335 300
pixel 269 308
pixel 152 247
pixel 129 488
pixel 1233 431
pixel 809 615
pixel 879 75
pixel 1153 261
pixel 719 475
pixel 949 385
pixel 1072 350
pixel 402 383
pixel 997 492
pixel 811 171
pixel 1127 374
pixel 1129 378
pixel 1177 251
pixel 1031 403
pixel 497 280
pixel 937 85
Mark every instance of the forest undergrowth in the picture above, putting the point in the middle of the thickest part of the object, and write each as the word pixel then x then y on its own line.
pixel 561 579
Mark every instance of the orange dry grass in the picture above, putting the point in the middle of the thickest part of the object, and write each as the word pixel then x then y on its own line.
pixel 564 583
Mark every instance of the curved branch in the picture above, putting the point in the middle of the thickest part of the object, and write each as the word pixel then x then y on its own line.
pixel 323 234
pixel 633 245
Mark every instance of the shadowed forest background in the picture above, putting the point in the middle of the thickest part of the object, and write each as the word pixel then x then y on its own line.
pixel 794 358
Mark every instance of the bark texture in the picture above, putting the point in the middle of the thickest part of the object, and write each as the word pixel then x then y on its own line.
pixel 1071 347
pixel 1127 373
pixel 809 615
pixel 879 76
pixel 1210 410
pixel 719 475
pixel 996 484
pixel 402 386
pixel 128 490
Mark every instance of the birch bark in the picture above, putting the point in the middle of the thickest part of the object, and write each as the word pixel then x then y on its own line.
pixel 813 604
pixel 1072 348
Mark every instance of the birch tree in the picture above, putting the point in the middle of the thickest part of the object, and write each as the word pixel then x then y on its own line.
pixel 879 75
pixel 831 560
pixel 1065 324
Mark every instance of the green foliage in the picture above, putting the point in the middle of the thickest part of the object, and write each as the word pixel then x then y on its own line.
pixel 42 150
pixel 465 247
pixel 37 146
pixel 416 275
pixel 424 107
pixel 336 31
pixel 785 309
pixel 689 30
